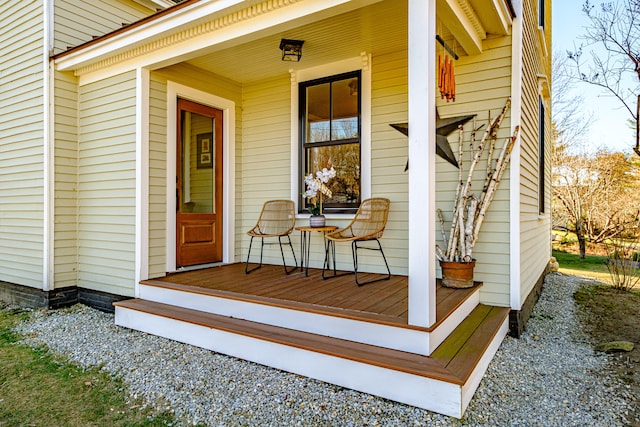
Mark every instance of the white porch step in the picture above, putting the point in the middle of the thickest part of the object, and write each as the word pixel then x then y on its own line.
pixel 443 383
pixel 313 319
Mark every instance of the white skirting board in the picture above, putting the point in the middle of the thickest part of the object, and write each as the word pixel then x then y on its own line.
pixel 427 393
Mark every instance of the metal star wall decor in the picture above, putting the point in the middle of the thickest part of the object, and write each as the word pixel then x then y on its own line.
pixel 444 127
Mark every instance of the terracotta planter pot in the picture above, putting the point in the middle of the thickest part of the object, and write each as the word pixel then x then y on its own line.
pixel 457 274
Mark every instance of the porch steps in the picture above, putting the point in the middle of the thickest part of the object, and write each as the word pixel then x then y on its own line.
pixel 352 325
pixel 443 382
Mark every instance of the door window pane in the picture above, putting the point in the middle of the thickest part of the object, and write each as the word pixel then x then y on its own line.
pixel 198 163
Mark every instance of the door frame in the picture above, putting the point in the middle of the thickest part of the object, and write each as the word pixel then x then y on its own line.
pixel 175 91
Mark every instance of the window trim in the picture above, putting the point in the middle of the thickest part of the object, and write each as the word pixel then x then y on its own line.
pixel 541 157
pixel 362 63
pixel 302 136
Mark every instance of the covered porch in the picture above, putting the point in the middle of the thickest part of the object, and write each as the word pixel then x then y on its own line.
pixel 225 55
pixel 406 339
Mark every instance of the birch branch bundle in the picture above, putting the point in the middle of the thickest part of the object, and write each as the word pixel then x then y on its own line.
pixel 468 210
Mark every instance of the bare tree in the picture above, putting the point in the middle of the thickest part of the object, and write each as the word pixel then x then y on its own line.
pixel 570 119
pixel 596 196
pixel 614 26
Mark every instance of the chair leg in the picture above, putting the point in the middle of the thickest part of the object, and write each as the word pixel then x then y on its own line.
pixel 246 267
pixel 295 260
pixel 330 255
pixel 354 250
pixel 284 263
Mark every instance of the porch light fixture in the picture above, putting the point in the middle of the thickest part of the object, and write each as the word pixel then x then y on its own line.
pixel 291 49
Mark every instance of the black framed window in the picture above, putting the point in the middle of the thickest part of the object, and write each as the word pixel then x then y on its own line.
pixel 541 13
pixel 330 135
pixel 541 152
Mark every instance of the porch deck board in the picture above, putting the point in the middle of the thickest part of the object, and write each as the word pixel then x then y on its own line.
pixel 474 339
pixel 384 301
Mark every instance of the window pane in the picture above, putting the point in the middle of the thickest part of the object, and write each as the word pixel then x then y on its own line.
pixel 345 109
pixel 345 158
pixel 318 112
pixel 198 173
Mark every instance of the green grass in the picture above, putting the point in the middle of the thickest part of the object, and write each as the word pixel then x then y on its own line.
pixel 592 266
pixel 38 388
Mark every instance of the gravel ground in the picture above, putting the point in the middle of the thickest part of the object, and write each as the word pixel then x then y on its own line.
pixel 549 377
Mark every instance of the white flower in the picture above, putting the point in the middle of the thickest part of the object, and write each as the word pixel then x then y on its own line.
pixel 317 184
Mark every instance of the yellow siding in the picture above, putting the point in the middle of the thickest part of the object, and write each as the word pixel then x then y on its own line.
pixel 266 153
pixel 65 186
pixel 389 98
pixel 483 84
pixel 21 148
pixel 198 79
pixel 535 230
pixel 157 176
pixel 106 185
pixel 76 22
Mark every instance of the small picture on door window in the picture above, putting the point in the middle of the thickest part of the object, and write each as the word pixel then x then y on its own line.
pixel 204 150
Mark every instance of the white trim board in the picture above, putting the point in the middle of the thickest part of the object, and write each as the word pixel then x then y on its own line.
pixel 142 177
pixel 175 90
pixel 515 243
pixel 422 173
pixel 48 161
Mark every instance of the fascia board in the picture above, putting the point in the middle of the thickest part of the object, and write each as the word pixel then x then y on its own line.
pixel 143 33
pixel 504 16
pixel 496 15
pixel 463 29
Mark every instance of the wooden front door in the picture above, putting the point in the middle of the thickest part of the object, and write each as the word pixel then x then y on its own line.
pixel 198 184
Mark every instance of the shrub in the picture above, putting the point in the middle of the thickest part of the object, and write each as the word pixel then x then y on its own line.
pixel 622 263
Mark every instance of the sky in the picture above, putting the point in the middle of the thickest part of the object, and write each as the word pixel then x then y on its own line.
pixel 609 128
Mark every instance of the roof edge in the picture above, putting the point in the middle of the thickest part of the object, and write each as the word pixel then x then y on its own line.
pixel 125 28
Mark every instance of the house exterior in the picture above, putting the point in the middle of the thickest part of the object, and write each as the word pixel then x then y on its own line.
pixel 104 101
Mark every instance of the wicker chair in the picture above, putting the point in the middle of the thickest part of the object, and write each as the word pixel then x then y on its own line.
pixel 277 219
pixel 367 225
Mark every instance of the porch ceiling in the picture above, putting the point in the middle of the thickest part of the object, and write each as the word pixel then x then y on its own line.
pixel 246 50
pixel 375 28
pixel 380 28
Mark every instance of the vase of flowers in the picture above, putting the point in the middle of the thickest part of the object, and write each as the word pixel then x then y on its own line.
pixel 316 190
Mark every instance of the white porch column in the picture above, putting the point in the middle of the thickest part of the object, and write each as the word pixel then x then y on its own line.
pixel 422 142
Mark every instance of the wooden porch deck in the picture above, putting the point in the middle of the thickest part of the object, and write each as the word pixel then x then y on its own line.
pixel 383 302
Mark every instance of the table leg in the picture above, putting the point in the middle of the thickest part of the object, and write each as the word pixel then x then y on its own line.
pixel 305 245
pixel 302 251
pixel 326 243
pixel 331 255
